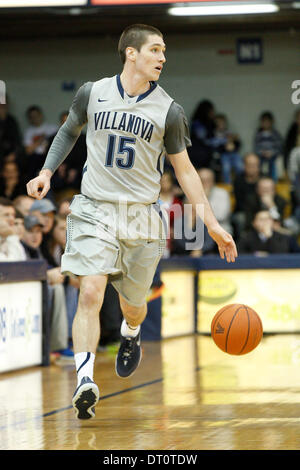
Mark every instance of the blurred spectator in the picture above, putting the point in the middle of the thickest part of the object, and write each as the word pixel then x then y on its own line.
pixel 57 238
pixel 32 239
pixel 262 238
pixel 268 144
pixel 10 135
pixel 244 187
pixel 265 198
pixel 294 165
pixel 245 183
pixel 23 203
pixel 11 181
pixel 36 140
pixel 218 198
pixel 45 210
pixel 292 138
pixel 202 131
pixel 11 248
pixel 226 146
pixel 69 173
pixel 294 176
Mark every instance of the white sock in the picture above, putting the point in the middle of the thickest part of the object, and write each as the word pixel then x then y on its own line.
pixel 84 362
pixel 127 330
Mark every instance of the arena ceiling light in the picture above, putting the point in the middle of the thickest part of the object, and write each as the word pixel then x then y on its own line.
pixel 41 3
pixel 224 8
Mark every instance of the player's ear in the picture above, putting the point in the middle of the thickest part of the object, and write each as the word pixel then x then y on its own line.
pixel 131 53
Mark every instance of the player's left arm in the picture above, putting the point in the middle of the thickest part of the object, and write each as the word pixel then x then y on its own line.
pixel 191 185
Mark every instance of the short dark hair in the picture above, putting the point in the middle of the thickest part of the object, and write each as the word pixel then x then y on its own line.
pixel 267 115
pixel 135 36
pixel 255 214
pixel 33 107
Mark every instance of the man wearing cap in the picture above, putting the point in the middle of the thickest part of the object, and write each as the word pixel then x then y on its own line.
pixel 32 241
pixel 45 211
pixel 32 237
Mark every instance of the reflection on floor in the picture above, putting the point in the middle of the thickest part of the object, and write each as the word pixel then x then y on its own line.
pixel 186 394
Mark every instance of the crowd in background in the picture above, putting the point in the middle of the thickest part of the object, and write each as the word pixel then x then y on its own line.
pixel 255 195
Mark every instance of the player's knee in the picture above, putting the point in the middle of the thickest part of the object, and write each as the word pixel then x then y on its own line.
pixel 91 295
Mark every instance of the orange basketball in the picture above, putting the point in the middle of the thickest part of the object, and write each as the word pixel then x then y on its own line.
pixel 236 329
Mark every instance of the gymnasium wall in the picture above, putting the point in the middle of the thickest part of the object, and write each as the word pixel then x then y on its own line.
pixel 198 66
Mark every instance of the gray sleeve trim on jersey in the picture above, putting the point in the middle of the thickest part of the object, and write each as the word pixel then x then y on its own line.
pixel 69 132
pixel 177 135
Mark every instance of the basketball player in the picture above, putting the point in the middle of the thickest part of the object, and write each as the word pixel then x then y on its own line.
pixel 131 123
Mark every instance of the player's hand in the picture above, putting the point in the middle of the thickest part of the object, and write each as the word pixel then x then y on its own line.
pixel 38 187
pixel 225 242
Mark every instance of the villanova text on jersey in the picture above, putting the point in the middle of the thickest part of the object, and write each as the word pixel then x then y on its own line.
pixel 125 143
pixel 126 122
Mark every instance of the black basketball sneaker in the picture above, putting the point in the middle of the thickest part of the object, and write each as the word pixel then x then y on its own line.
pixel 85 397
pixel 129 355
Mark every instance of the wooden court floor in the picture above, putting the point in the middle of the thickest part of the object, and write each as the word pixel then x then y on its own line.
pixel 186 394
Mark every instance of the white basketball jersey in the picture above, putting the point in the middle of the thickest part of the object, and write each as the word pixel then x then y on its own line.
pixel 125 143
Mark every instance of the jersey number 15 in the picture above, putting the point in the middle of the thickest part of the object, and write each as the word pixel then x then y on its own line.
pixel 124 148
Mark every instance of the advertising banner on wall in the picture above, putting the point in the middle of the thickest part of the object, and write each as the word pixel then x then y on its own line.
pixel 20 325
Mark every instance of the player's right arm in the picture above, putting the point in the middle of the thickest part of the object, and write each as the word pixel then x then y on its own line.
pixel 62 144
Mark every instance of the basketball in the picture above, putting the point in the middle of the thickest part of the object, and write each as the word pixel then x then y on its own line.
pixel 236 329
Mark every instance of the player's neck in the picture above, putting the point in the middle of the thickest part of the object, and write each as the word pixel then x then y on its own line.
pixel 134 84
